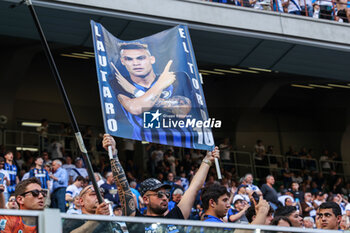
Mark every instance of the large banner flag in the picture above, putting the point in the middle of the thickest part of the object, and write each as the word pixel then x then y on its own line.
pixel 150 89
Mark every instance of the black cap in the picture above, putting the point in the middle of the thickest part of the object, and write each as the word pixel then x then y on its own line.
pixel 177 178
pixel 152 184
pixel 77 159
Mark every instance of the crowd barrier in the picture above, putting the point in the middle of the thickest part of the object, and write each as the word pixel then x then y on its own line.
pixel 52 221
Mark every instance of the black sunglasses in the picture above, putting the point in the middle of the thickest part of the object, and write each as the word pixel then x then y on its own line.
pixel 160 194
pixel 36 193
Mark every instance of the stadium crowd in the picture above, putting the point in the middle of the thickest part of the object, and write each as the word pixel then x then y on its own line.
pixel 338 10
pixel 182 188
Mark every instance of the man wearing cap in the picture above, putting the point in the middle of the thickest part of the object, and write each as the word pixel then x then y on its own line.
pixel 237 215
pixel 154 193
pixel 242 192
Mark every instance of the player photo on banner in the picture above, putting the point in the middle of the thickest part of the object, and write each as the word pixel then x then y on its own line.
pixel 150 89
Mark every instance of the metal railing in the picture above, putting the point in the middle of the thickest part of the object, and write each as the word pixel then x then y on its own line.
pixel 52 221
pixel 296 164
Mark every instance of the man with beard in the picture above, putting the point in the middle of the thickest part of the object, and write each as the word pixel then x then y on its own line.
pixel 155 194
pixel 216 203
pixel 29 196
pixel 89 205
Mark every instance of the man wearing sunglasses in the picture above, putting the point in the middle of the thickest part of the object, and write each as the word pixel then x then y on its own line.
pixel 155 194
pixel 29 196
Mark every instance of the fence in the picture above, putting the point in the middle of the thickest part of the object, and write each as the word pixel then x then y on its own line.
pixel 52 221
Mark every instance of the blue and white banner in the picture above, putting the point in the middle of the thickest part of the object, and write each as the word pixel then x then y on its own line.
pixel 150 89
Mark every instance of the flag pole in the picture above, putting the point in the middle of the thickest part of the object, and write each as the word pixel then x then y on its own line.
pixel 65 99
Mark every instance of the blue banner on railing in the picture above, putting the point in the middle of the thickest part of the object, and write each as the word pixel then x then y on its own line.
pixel 150 89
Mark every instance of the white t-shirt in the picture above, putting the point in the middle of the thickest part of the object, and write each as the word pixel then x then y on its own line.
pixel 6 174
pixel 73 191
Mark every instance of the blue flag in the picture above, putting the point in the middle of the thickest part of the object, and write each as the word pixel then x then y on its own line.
pixel 150 89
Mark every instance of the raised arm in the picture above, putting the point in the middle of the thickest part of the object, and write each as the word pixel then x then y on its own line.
pixel 198 180
pixel 125 194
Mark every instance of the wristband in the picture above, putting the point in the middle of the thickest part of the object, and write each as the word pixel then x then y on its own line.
pixel 207 161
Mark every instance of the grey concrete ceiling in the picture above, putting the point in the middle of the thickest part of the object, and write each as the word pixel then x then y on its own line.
pixel 72 29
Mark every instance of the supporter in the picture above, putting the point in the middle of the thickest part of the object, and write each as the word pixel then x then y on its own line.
pixel 237 215
pixel 307 206
pixel 139 200
pixel 11 169
pixel 109 189
pixel 297 194
pixel 6 178
pixel 242 193
pixel 287 175
pixel 46 157
pixel 68 164
pixel 325 156
pixel 29 196
pixel 287 198
pixel 75 207
pixel 60 183
pixel 260 213
pixel 281 221
pixel 12 203
pixel 99 179
pixel 170 180
pixel 184 181
pixel 89 205
pixel 73 190
pixel 316 7
pixel 344 224
pixel 215 202
pixel 309 222
pixel 339 200
pixel 39 172
pixel 78 170
pixel 259 150
pixel 291 213
pixel 117 210
pixel 328 216
pixel 248 178
pixel 269 192
pixel 154 192
pixel 176 198
pixel 56 149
